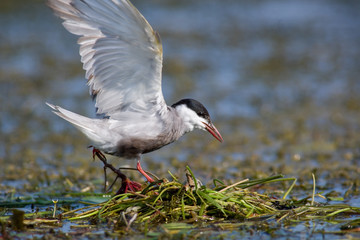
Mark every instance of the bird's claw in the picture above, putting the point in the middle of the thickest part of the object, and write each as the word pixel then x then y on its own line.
pixel 128 186
pixel 97 152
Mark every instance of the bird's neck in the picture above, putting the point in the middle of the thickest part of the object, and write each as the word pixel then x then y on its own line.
pixel 184 119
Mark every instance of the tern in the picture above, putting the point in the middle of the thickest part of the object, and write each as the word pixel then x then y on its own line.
pixel 122 56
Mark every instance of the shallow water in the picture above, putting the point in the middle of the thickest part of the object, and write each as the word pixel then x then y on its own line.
pixel 280 80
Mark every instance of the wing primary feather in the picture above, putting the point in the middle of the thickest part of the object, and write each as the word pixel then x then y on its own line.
pixel 120 52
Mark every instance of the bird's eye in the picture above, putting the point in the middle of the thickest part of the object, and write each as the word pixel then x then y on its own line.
pixel 203 115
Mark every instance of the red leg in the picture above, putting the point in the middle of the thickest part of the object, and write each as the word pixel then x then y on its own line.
pixel 126 184
pixel 139 168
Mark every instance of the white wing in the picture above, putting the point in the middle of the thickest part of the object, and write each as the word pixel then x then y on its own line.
pixel 120 52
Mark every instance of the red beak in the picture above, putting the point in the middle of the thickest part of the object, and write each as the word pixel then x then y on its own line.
pixel 212 129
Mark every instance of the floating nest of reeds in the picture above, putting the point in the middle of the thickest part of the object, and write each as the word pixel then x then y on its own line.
pixel 172 201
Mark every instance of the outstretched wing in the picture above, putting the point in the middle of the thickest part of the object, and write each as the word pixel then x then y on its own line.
pixel 121 53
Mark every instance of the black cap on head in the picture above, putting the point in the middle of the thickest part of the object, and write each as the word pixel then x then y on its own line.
pixel 194 105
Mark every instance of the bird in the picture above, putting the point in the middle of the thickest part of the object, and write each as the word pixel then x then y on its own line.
pixel 122 57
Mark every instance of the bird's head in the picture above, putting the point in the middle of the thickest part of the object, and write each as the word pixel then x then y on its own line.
pixel 195 115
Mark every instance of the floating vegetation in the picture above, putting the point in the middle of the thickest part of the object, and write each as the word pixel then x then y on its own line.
pixel 167 208
pixel 179 207
pixel 173 201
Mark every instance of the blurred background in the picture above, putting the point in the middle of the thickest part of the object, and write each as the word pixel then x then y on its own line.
pixel 279 78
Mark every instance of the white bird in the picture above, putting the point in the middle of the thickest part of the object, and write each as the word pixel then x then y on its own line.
pixel 122 57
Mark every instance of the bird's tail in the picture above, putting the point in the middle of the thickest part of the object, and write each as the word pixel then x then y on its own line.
pixel 86 125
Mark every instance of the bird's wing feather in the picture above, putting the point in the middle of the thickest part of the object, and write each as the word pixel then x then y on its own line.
pixel 120 52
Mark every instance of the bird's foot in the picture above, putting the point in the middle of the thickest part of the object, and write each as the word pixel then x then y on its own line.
pixel 126 184
pixel 98 153
pixel 129 186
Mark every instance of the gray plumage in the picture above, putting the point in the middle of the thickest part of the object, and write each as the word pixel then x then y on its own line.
pixel 122 57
